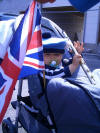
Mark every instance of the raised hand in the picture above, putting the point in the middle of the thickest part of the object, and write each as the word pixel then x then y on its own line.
pixel 79 47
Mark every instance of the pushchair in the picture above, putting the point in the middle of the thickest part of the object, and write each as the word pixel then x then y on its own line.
pixel 32 117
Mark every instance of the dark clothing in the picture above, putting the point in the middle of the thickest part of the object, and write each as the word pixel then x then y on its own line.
pixel 74 103
pixel 52 72
pixel 1 60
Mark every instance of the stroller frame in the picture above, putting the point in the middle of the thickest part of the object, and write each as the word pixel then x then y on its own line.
pixel 7 124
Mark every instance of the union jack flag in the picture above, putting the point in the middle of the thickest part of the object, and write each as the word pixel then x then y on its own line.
pixel 26 43
pixel 33 61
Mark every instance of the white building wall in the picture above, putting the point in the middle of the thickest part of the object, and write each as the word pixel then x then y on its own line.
pixel 92 28
pixel 13 6
pixel 92 25
pixel 57 3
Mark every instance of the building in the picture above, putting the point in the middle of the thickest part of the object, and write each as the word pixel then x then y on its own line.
pixel 82 26
pixel 79 26
pixel 13 6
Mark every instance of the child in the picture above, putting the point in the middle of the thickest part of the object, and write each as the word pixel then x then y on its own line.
pixel 54 49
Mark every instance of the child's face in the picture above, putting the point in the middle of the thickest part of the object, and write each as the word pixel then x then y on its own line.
pixel 49 57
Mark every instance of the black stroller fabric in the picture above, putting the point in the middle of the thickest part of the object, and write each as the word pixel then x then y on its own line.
pixel 30 123
pixel 74 103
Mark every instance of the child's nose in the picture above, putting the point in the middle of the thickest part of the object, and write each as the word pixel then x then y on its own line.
pixel 52 57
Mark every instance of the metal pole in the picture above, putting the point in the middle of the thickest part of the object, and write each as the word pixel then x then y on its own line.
pixel 83 64
pixel 18 104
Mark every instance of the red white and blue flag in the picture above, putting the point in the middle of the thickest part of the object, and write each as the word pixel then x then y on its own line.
pixel 33 61
pixel 26 46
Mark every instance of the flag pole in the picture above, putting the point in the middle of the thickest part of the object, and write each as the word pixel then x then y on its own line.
pixel 44 81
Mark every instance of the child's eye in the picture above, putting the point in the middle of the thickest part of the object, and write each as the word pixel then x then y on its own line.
pixel 47 54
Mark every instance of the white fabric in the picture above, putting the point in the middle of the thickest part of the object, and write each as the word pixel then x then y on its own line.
pixel 6 33
pixel 17 22
pixel 96 74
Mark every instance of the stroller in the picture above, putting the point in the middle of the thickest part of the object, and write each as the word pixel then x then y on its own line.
pixel 37 115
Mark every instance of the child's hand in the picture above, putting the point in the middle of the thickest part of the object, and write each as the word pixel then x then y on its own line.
pixel 75 63
pixel 76 60
pixel 79 47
